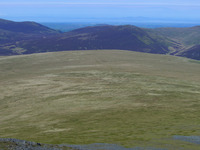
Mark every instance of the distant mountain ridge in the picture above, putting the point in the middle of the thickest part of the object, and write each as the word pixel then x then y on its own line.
pixel 12 32
pixel 24 27
pixel 98 37
pixel 30 37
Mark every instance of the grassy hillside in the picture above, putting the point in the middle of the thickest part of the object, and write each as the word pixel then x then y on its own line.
pixel 187 36
pixel 193 52
pixel 180 41
pixel 83 97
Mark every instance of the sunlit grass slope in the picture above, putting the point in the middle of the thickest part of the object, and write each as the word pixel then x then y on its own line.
pixel 82 97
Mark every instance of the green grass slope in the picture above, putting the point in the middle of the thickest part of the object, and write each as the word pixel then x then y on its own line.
pixel 83 97
pixel 182 42
pixel 193 52
pixel 186 36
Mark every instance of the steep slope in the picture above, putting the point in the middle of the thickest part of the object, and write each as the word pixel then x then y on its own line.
pixel 98 37
pixel 187 36
pixel 193 52
pixel 162 39
pixel 180 41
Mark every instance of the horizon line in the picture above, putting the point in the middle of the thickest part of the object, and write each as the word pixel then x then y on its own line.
pixel 67 3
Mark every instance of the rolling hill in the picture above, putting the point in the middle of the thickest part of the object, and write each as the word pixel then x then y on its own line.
pixel 117 97
pixel 98 37
pixel 12 32
pixel 30 37
pixel 24 27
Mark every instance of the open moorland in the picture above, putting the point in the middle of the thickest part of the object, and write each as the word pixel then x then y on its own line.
pixel 116 97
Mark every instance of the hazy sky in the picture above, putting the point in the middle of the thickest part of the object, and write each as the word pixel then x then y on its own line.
pixel 66 10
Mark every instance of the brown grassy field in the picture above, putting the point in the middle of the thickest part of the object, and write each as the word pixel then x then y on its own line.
pixel 83 97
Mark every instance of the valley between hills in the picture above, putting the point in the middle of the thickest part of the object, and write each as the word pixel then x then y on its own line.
pixel 121 86
pixel 30 37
